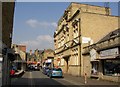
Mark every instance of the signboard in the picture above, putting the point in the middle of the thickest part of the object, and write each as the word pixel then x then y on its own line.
pixel 87 40
pixel 109 52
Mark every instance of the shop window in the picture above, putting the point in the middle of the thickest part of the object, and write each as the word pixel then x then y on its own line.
pixel 111 67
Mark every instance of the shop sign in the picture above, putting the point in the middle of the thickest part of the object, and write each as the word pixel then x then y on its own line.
pixel 109 52
pixel 87 40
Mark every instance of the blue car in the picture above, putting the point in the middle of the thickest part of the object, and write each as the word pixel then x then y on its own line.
pixel 55 72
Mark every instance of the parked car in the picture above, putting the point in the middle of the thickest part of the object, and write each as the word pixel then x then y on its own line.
pixel 46 70
pixel 13 69
pixel 55 72
pixel 12 72
pixel 36 67
pixel 33 67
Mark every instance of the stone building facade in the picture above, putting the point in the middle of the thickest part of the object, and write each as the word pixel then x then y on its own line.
pixel 104 57
pixel 81 25
pixel 34 57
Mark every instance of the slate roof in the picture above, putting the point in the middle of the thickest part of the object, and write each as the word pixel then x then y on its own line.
pixel 113 34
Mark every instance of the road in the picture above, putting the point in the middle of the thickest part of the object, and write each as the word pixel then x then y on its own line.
pixel 37 78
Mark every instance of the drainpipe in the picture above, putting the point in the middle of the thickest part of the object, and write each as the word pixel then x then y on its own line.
pixel 79 44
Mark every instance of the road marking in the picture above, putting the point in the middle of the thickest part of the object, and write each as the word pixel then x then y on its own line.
pixel 31 82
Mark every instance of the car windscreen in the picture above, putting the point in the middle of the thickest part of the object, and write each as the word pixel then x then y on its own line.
pixel 57 69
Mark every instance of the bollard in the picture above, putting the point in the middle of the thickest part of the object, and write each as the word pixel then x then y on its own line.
pixel 85 77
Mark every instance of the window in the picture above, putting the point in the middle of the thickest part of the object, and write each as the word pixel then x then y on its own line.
pixel 111 67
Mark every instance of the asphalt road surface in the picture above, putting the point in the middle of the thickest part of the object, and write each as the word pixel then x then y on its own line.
pixel 37 78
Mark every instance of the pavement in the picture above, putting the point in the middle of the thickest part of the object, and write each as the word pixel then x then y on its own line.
pixel 90 81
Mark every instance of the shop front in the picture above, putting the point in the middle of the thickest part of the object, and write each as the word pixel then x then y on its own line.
pixel 110 63
pixel 105 57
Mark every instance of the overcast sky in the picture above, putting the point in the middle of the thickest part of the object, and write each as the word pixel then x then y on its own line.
pixel 35 22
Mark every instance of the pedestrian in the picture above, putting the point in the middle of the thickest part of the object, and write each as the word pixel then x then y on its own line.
pixel 85 78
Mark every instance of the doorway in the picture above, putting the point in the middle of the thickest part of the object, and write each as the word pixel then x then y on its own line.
pixel 66 64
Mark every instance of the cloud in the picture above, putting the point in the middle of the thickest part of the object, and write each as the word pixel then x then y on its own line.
pixel 45 38
pixel 35 23
pixel 40 42
pixel 32 23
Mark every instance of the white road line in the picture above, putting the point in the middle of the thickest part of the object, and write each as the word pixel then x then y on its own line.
pixel 31 82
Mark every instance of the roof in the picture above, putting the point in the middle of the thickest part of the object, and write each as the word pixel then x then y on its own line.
pixel 40 51
pixel 113 34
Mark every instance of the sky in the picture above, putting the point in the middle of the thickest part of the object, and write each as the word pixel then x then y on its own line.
pixel 35 22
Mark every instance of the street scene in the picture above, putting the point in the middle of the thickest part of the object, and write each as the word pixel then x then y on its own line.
pixel 59 44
